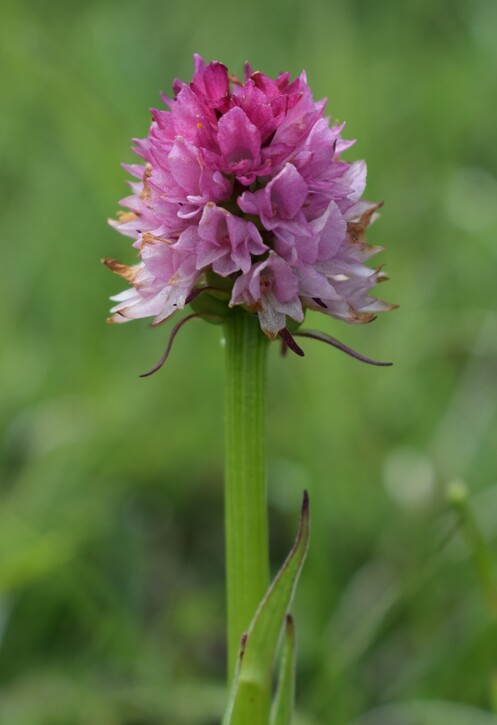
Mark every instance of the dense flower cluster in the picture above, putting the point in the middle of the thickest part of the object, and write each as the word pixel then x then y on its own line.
pixel 244 183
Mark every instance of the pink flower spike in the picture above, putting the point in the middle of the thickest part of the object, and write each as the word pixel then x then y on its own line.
pixel 241 193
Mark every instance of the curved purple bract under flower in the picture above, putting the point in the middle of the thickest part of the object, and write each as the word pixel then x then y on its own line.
pixel 242 187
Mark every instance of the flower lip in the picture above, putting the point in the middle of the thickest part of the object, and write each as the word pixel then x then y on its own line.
pixel 243 181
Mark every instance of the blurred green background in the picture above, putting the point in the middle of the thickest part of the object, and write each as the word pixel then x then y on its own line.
pixel 111 550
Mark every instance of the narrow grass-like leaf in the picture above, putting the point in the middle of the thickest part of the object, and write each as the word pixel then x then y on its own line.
pixel 458 495
pixel 282 708
pixel 252 685
pixel 234 689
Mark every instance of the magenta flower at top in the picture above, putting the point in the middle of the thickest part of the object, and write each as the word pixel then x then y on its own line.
pixel 243 193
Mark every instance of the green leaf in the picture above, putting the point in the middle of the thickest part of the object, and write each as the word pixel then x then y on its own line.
pixel 282 708
pixel 227 720
pixel 459 498
pixel 250 696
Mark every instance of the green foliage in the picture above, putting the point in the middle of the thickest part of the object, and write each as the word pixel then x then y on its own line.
pixel 250 698
pixel 485 566
pixel 111 550
pixel 284 699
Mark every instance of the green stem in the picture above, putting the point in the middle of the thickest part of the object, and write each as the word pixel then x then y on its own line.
pixel 247 560
pixel 460 499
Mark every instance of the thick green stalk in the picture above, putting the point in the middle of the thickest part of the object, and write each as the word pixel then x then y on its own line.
pixel 247 560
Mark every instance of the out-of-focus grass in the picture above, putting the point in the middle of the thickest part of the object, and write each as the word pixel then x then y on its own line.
pixel 111 554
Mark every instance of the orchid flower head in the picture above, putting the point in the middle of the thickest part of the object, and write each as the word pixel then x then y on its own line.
pixel 242 199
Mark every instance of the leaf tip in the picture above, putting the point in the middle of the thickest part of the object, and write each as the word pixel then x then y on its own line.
pixel 305 503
